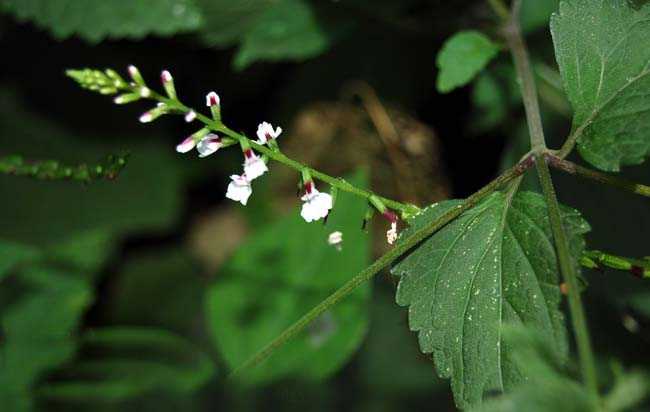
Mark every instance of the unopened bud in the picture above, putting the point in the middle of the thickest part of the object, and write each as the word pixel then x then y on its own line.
pixel 168 83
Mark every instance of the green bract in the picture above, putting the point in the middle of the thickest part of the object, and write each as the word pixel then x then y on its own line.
pixel 495 264
pixel 601 48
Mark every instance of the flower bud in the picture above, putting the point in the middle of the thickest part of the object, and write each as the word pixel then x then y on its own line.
pixel 168 83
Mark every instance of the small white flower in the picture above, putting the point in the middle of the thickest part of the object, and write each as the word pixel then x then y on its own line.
pixel 208 145
pixel 190 116
pixel 212 99
pixel 265 132
pixel 391 234
pixel 317 205
pixel 254 166
pixel 239 189
pixel 335 239
pixel 186 145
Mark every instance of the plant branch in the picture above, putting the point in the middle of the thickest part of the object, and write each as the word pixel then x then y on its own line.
pixel 595 259
pixel 568 270
pixel 402 247
pixel 574 169
pixel 109 169
pixel 538 146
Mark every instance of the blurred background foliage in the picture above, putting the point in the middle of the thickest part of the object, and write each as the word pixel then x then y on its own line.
pixel 143 292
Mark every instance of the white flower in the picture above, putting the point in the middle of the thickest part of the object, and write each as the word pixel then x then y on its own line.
pixel 190 116
pixel 212 99
pixel 239 189
pixel 209 144
pixel 254 166
pixel 391 234
pixel 317 205
pixel 335 239
pixel 265 132
pixel 186 145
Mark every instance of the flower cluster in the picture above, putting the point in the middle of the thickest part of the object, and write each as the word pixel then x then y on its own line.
pixel 316 205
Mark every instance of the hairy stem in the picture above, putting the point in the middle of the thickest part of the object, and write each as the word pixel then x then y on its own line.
pixel 538 146
pixel 568 270
pixel 402 247
pixel 574 169
pixel 526 77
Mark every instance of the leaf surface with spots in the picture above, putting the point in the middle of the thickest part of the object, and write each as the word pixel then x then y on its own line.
pixel 604 58
pixel 495 264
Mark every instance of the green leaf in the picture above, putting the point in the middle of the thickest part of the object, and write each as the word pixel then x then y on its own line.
pixel 225 22
pixel 495 264
pixel 536 14
pixel 281 272
pixel 95 20
pixel 286 31
pixel 132 362
pixel 39 331
pixel 491 103
pixel 462 57
pixel 166 275
pixel 548 388
pixel 601 48
pixel 13 254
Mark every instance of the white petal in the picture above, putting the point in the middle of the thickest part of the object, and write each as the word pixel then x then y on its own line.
pixel 391 235
pixel 317 205
pixel 239 189
pixel 254 167
pixel 208 145
pixel 186 145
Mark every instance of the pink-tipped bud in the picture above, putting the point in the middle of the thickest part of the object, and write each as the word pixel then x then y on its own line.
pixel 190 116
pixel 133 71
pixel 390 216
pixel 212 99
pixel 186 145
pixel 309 187
pixel 165 76
pixel 146 117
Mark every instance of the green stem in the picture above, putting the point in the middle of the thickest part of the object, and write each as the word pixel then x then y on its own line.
pixel 538 146
pixel 568 270
pixel 402 247
pixel 595 259
pixel 574 169
pixel 526 78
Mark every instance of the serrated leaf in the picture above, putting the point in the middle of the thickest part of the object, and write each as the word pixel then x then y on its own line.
pixel 601 48
pixel 281 272
pixel 95 20
pixel 131 362
pixel 495 264
pixel 462 57
pixel 288 30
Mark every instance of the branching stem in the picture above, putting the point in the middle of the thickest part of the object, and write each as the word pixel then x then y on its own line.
pixel 574 169
pixel 402 247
